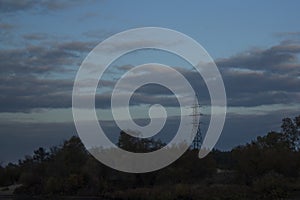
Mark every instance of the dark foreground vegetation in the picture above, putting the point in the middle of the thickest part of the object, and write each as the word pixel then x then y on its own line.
pixel 266 168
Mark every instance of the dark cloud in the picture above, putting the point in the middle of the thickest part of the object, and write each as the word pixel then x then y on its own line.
pixel 261 83
pixel 272 59
pixel 244 86
pixel 78 46
pixel 125 67
pixel 22 94
pixel 28 93
pixel 259 77
pixel 263 98
pixel 253 78
pixel 103 101
pixel 292 34
pixel 6 26
pixel 43 58
pixel 11 6
pixel 99 34
pixel 7 6
pixel 36 36
pixel 27 75
pixel 164 100
pixel 33 59
pixel 6 32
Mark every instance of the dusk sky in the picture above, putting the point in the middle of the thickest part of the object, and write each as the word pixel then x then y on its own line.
pixel 255 44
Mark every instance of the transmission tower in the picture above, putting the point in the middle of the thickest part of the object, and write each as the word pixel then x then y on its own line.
pixel 196 124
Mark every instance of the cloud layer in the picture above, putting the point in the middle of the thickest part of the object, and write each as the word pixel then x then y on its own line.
pixel 7 6
pixel 42 77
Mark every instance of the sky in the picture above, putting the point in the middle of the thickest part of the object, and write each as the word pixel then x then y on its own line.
pixel 255 44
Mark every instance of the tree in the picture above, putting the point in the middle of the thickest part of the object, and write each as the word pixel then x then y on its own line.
pixel 297 122
pixel 1 175
pixel 138 145
pixel 12 173
pixel 273 152
pixel 273 140
pixel 290 131
pixel 40 155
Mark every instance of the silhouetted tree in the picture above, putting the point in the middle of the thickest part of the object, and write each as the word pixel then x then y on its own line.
pixel 135 144
pixel 266 168
pixel 290 131
pixel 40 155
pixel 274 152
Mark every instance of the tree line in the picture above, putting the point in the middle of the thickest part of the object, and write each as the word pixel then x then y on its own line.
pixel 265 168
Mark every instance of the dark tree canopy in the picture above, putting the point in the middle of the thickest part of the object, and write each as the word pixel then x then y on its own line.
pixel 266 168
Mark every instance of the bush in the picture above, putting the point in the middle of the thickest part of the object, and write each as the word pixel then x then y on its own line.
pixel 271 186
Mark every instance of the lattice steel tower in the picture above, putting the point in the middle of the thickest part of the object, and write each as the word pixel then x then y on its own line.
pixel 196 124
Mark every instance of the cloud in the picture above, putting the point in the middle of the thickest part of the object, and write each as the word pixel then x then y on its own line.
pixel 263 76
pixel 273 59
pixel 43 58
pixel 78 46
pixel 36 36
pixel 33 59
pixel 252 78
pixel 7 6
pixel 11 6
pixel 6 32
pixel 6 26
pixel 291 34
pixel 24 93
pixel 39 76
